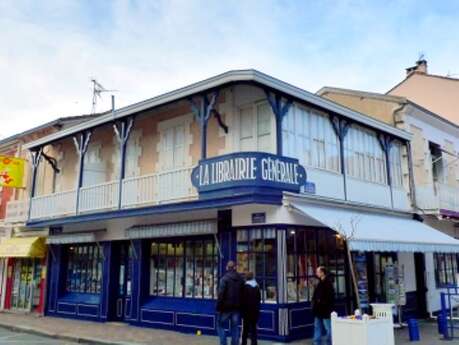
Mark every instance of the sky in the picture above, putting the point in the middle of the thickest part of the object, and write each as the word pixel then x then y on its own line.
pixel 50 50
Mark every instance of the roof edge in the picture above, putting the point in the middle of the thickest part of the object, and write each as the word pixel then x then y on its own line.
pixel 217 81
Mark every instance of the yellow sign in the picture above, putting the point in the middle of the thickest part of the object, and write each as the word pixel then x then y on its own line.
pixel 12 172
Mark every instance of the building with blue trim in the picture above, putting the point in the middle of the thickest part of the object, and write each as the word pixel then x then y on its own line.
pixel 151 201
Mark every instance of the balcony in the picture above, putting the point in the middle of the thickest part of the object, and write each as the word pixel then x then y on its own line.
pixel 16 211
pixel 154 189
pixel 437 196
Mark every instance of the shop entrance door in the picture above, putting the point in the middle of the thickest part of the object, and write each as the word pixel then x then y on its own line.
pixel 26 276
pixel 122 259
pixel 421 287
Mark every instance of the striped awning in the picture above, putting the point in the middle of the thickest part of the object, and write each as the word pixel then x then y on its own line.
pixel 371 231
pixel 71 238
pixel 194 228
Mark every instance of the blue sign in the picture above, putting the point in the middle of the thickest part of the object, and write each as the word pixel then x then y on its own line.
pixel 249 169
pixel 259 218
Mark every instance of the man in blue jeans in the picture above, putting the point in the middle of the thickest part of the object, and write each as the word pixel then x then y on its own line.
pixel 229 303
pixel 323 301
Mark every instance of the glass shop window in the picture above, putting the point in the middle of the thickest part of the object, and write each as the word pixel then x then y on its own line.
pixel 84 268
pixel 385 276
pixel 446 268
pixel 256 252
pixel 306 250
pixel 184 268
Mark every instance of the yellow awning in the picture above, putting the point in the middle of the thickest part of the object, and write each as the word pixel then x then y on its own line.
pixel 23 247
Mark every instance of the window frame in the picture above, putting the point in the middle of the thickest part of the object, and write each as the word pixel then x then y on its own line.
pixel 181 269
pixel 446 275
pixel 84 260
pixel 321 257
pixel 264 280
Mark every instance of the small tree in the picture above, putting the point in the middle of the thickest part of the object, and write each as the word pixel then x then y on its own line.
pixel 347 236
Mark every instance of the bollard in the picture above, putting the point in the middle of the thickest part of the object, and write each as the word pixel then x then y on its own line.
pixel 442 325
pixel 413 329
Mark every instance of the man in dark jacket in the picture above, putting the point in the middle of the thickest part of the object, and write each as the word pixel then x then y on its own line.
pixel 251 297
pixel 229 303
pixel 323 302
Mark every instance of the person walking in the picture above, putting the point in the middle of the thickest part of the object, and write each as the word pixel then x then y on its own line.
pixel 229 303
pixel 323 301
pixel 251 297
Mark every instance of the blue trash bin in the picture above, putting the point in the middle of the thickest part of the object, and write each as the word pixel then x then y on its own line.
pixel 413 330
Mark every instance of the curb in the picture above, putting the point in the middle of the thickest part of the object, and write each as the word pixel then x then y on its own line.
pixel 75 339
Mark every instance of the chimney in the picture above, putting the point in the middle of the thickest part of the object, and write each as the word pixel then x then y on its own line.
pixel 420 67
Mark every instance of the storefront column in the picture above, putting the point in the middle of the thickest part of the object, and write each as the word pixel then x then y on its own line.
pixel 54 277
pixel 282 282
pixel 226 240
pixel 106 273
pixel 136 279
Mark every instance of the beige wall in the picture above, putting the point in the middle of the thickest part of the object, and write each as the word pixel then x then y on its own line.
pixel 376 108
pixel 438 94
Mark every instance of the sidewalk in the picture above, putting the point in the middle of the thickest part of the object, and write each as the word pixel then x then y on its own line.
pixel 123 334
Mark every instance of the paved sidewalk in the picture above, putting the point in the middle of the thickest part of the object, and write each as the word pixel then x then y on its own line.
pixel 123 334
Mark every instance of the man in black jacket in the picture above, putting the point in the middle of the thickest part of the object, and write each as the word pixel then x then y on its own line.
pixel 323 302
pixel 229 303
pixel 251 297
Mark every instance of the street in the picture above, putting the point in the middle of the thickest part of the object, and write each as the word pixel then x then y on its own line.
pixel 8 337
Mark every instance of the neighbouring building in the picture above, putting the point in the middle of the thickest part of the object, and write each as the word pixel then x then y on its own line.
pixel 150 202
pixel 22 249
pixel 434 158
pixel 436 93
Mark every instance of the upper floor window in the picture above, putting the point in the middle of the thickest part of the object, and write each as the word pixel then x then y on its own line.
pixel 257 128
pixel 309 136
pixel 395 159
pixel 439 164
pixel 174 143
pixel 94 168
pixel 364 156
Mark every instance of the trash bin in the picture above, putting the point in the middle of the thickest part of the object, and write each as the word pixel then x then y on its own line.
pixel 413 330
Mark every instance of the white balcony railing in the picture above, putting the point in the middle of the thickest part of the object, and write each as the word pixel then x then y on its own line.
pixel 437 196
pixel 53 205
pixel 163 187
pixel 99 197
pixel 16 211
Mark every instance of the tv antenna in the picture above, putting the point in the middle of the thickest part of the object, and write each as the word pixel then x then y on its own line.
pixel 97 90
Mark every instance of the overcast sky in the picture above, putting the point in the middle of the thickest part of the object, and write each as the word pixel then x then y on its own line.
pixel 49 50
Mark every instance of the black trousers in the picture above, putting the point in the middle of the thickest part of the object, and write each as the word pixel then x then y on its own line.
pixel 249 327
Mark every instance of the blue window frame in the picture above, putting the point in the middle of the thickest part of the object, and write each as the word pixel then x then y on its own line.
pixel 184 268
pixel 84 268
pixel 257 253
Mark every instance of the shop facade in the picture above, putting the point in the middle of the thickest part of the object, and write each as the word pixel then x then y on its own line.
pixel 239 167
pixel 24 282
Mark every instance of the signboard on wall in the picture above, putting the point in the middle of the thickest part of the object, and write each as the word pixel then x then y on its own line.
pixel 248 170
pixel 11 172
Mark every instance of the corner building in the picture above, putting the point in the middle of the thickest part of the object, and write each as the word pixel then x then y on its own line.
pixel 139 233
